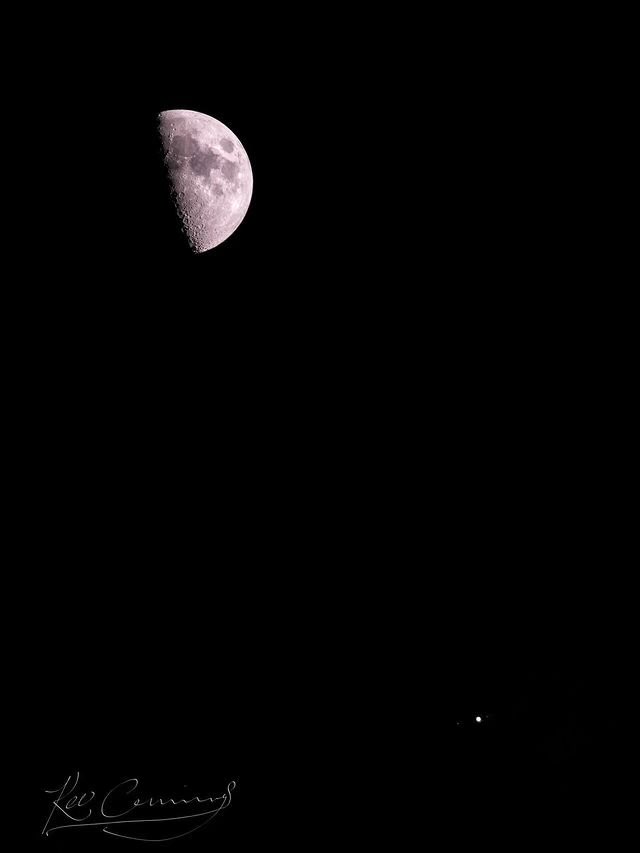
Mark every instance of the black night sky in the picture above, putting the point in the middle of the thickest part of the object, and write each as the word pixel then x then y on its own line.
pixel 321 510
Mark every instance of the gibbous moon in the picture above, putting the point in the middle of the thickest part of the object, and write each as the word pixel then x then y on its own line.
pixel 210 175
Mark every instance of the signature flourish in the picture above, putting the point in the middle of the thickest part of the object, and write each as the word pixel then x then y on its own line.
pixel 74 807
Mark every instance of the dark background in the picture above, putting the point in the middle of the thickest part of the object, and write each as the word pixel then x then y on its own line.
pixel 287 511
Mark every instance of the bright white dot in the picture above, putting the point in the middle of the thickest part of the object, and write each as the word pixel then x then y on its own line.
pixel 478 719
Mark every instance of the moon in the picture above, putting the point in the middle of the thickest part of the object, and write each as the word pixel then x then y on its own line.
pixel 209 173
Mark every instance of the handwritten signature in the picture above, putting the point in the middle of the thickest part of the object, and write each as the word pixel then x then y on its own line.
pixel 116 808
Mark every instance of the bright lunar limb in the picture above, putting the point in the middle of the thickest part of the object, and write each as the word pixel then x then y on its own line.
pixel 210 175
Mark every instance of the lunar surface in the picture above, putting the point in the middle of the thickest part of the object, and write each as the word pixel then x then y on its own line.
pixel 210 176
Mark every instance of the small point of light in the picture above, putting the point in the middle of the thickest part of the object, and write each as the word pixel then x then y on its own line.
pixel 478 719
